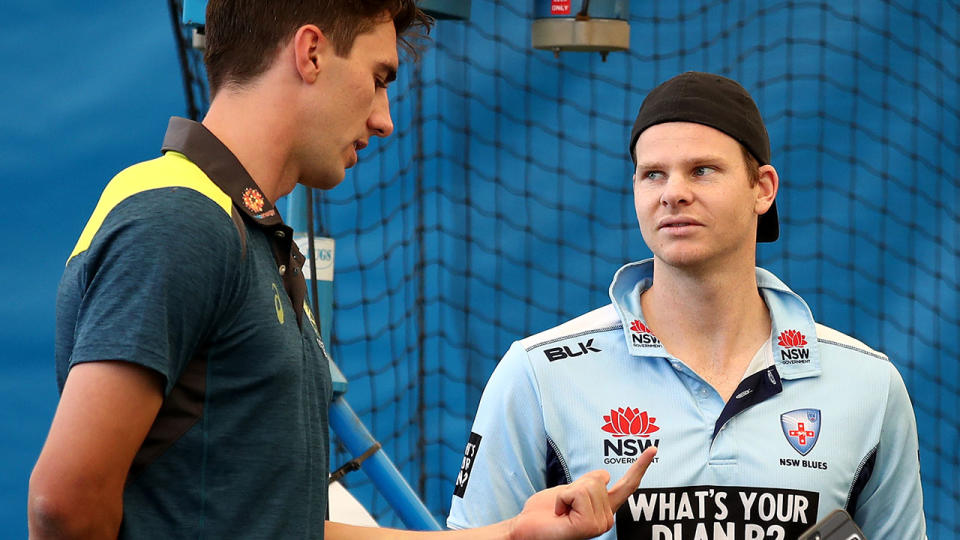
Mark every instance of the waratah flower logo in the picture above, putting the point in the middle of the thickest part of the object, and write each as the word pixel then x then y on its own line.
pixel 622 422
pixel 792 338
pixel 638 326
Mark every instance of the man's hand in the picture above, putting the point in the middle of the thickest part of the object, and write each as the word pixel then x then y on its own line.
pixel 582 509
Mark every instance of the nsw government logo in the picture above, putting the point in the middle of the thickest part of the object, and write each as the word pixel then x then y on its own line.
pixel 641 336
pixel 793 347
pixel 624 424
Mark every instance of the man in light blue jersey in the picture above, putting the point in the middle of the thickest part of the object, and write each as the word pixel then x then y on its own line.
pixel 765 421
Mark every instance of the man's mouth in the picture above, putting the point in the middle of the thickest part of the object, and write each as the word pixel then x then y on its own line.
pixel 358 145
pixel 677 223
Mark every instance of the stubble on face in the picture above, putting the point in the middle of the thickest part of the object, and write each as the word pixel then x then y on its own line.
pixel 349 106
pixel 693 197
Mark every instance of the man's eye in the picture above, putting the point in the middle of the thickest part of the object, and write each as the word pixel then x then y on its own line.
pixel 378 83
pixel 702 171
pixel 652 175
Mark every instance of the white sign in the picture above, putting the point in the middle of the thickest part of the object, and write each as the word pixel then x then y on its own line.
pixel 324 251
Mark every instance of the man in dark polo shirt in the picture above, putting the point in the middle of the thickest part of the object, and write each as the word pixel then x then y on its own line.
pixel 194 385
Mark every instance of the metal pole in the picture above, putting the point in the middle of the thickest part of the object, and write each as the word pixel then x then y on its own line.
pixel 384 474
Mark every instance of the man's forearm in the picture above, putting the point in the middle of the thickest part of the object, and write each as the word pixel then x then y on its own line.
pixel 582 509
pixel 341 531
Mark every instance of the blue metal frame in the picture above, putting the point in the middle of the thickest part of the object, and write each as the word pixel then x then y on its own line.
pixel 384 474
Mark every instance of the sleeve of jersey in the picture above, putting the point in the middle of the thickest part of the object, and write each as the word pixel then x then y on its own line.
pixel 505 458
pixel 891 505
pixel 155 279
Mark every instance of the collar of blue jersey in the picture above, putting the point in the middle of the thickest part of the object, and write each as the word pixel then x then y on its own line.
pixel 205 150
pixel 795 347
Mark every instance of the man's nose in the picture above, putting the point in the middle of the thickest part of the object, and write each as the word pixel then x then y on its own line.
pixel 676 191
pixel 380 122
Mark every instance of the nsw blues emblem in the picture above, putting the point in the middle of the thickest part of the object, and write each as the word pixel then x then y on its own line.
pixel 801 428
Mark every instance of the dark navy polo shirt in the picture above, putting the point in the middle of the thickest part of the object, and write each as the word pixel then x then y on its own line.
pixel 186 268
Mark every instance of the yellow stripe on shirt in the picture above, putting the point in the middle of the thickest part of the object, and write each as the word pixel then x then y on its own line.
pixel 171 170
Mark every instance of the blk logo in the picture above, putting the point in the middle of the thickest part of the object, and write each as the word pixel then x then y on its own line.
pixel 559 353
pixel 794 347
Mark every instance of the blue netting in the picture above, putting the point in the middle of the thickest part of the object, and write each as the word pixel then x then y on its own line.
pixel 502 205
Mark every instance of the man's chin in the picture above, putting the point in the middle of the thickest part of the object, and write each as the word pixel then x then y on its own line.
pixel 324 181
pixel 684 259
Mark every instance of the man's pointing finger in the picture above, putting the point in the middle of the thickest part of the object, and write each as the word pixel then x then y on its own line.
pixel 631 479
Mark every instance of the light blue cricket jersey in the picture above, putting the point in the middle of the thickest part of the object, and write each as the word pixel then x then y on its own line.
pixel 819 422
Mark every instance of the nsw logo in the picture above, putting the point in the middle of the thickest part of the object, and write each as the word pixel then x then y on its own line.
pixel 793 347
pixel 801 427
pixel 622 422
pixel 627 422
pixel 642 336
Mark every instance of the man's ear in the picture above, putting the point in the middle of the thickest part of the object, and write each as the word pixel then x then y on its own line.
pixel 767 186
pixel 310 50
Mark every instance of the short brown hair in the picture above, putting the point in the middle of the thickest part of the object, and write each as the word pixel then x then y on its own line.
pixel 752 165
pixel 243 36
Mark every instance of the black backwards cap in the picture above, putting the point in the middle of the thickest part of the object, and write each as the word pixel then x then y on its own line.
pixel 718 102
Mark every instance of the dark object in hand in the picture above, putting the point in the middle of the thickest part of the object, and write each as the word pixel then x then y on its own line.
pixel 837 525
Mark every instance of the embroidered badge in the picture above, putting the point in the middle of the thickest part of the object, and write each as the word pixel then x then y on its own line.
pixel 253 200
pixel 801 428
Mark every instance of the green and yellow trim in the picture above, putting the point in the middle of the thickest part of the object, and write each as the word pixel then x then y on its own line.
pixel 171 170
